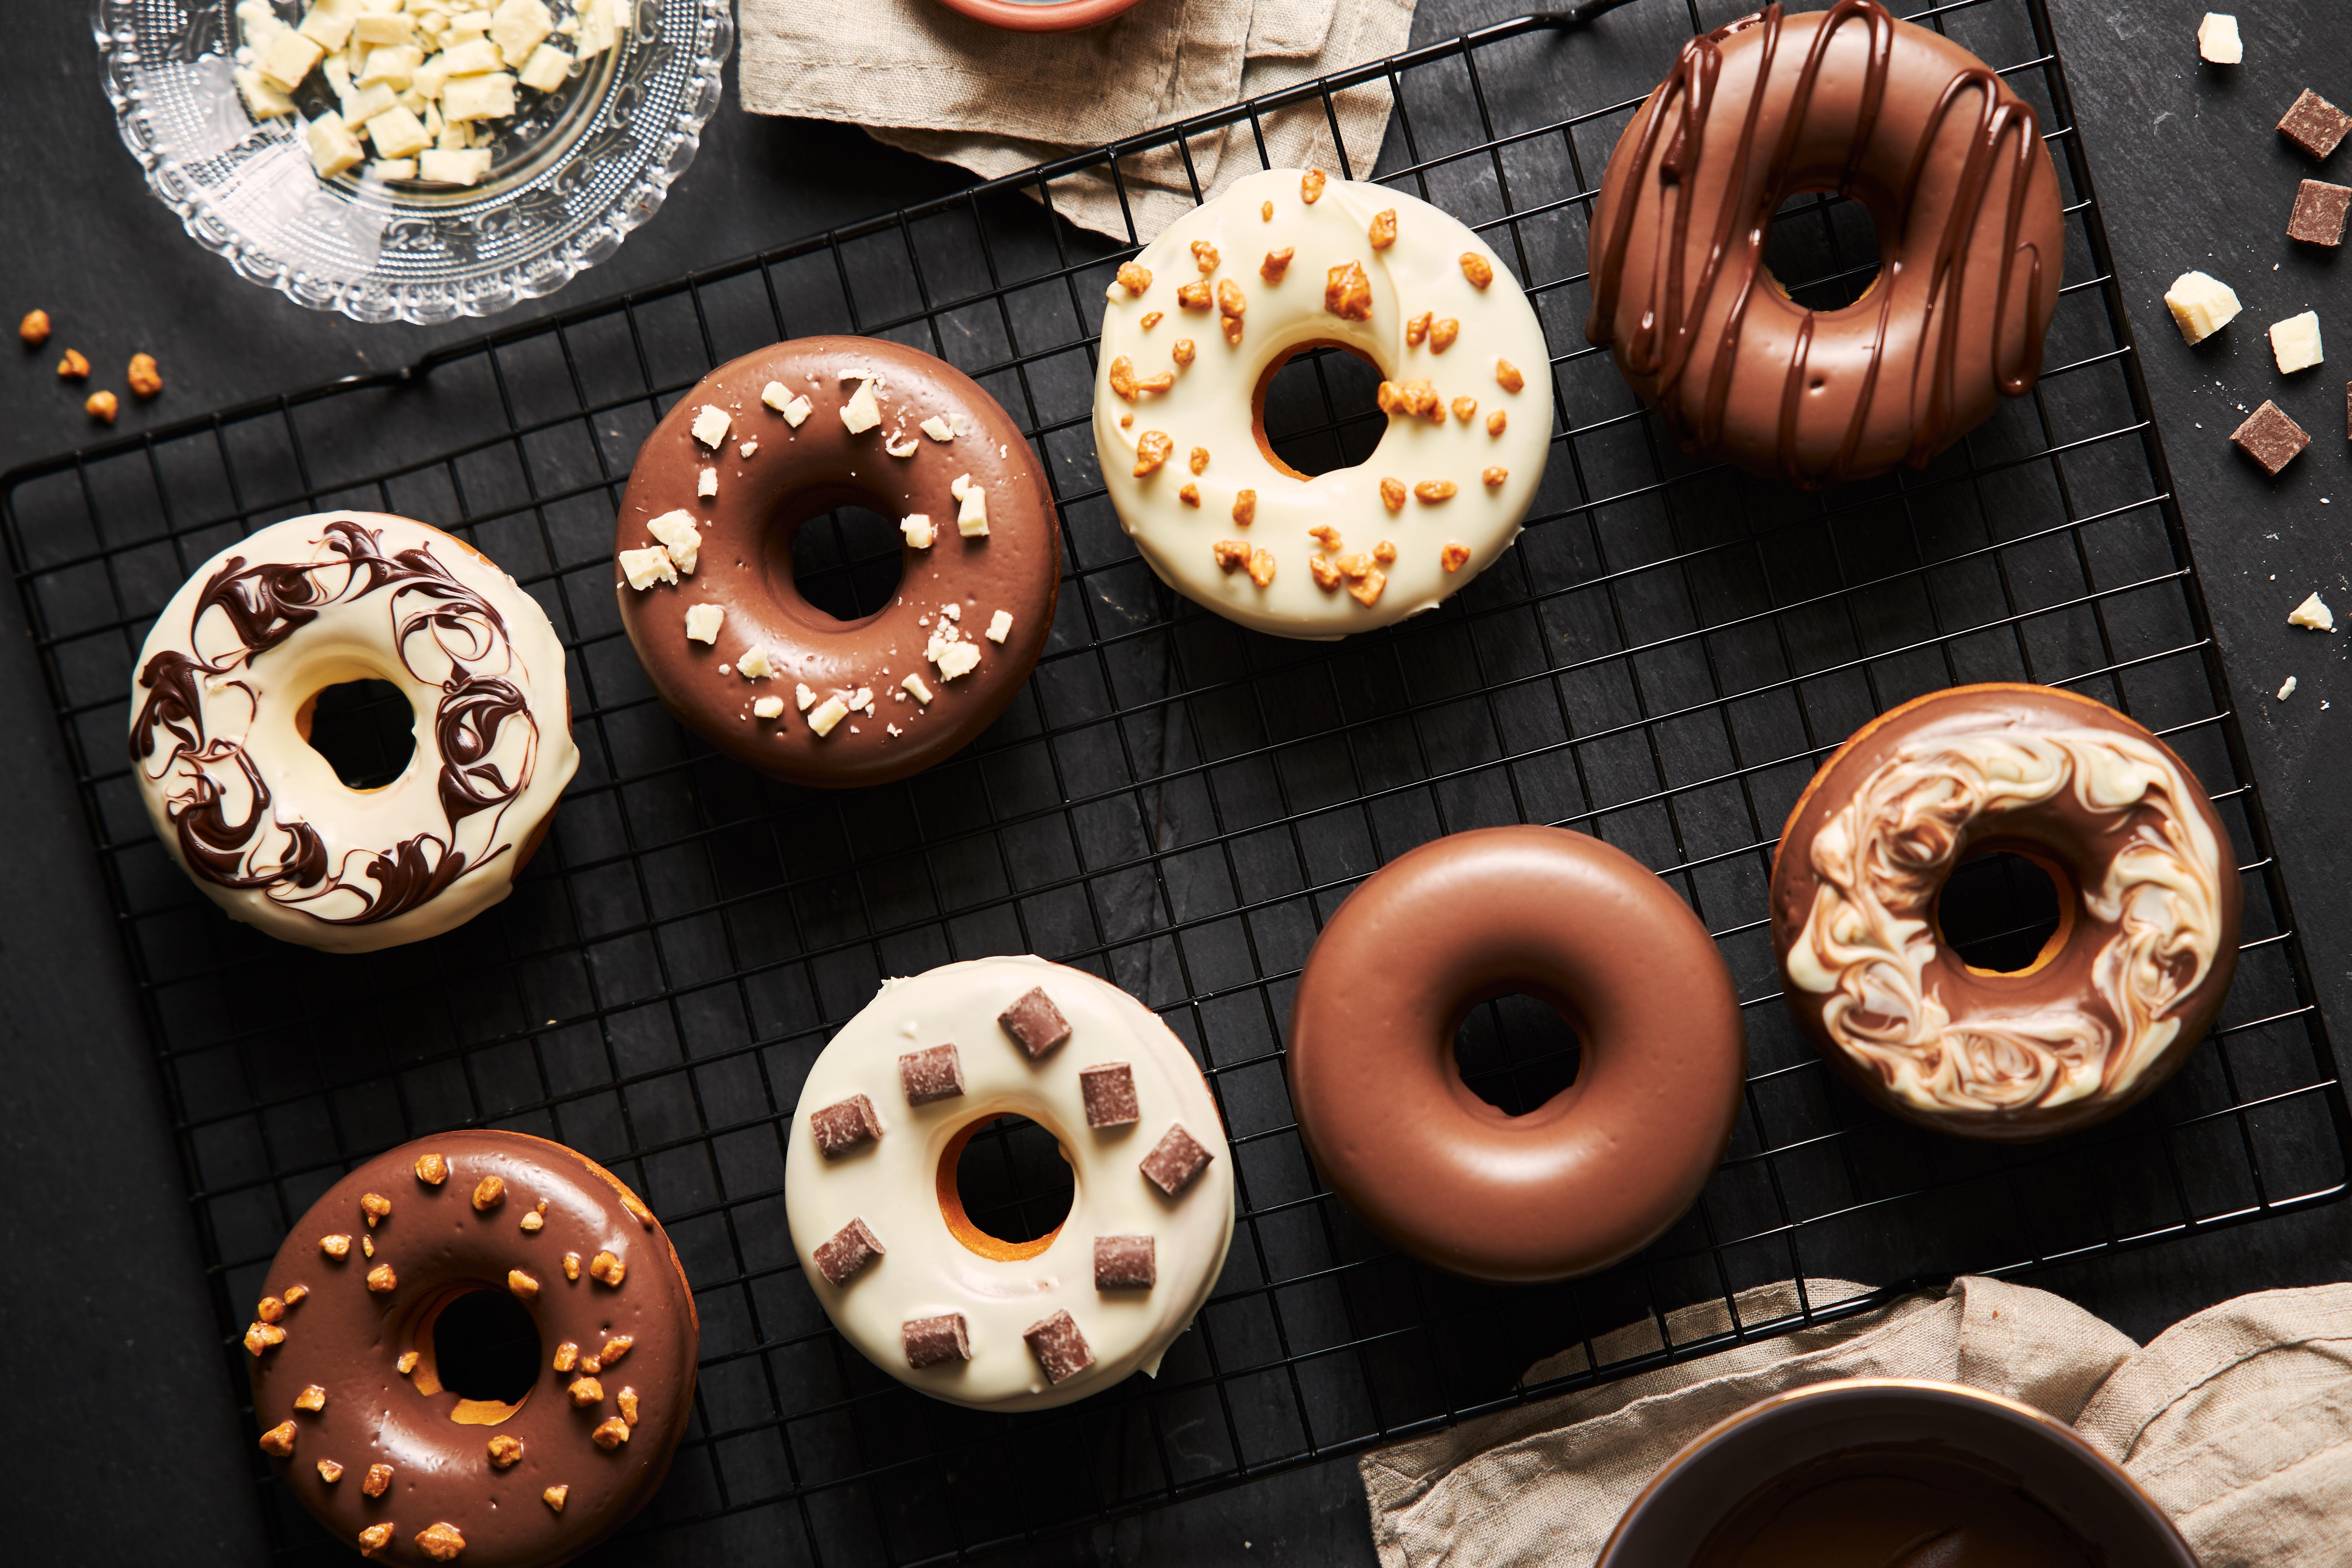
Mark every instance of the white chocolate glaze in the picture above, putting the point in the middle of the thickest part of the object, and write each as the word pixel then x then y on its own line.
pixel 1882 859
pixel 258 819
pixel 891 1184
pixel 1210 405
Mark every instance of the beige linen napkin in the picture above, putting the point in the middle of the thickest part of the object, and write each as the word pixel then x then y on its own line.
pixel 919 76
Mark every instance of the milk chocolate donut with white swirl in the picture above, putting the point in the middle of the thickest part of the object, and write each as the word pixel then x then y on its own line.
pixel 705 544
pixel 1950 167
pixel 2122 990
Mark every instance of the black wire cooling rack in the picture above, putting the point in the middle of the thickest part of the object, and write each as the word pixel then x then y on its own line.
pixel 1177 804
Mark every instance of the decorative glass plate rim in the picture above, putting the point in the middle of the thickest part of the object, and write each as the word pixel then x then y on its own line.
pixel 565 250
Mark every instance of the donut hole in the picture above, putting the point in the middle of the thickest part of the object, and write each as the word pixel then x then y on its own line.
pixel 1318 410
pixel 838 553
pixel 2003 913
pixel 366 729
pixel 1823 252
pixel 1005 1187
pixel 482 1346
pixel 1516 1051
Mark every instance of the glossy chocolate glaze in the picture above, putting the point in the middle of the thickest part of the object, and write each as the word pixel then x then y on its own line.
pixel 746 561
pixel 1895 1505
pixel 348 1339
pixel 2062 833
pixel 1950 167
pixel 1606 1165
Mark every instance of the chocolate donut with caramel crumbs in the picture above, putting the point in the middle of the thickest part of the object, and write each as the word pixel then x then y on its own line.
pixel 348 1368
pixel 704 553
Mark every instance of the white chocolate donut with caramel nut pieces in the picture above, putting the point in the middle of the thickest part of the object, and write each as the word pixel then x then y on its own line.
pixel 1193 330
pixel 893 1171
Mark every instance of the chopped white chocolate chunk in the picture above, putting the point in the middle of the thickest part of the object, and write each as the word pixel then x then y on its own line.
pixel 548 70
pixel 391 169
pixel 954 658
pixel 288 58
pixel 2201 304
pixel 747 448
pixel 262 99
pixel 702 622
pixel 397 133
pixel 334 149
pixel 393 66
pixel 972 518
pixel 646 567
pixel 769 707
pixel 329 22
pixel 488 96
pixel 2313 615
pixel 861 412
pixel 711 424
pixel 803 696
pixel 362 104
pixel 917 527
pixel 754 665
pixel 998 625
pixel 706 484
pixel 915 686
pixel 2294 343
pixel 953 612
pixel 677 530
pixel 454 166
pixel 2286 690
pixel 829 712
pixel 473 56
pixel 899 446
pixel 936 429
pixel 798 410
pixel 862 698
pixel 2218 41
pixel 374 28
pixel 776 396
pixel 519 26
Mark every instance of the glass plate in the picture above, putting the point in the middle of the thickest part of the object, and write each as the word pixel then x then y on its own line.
pixel 570 176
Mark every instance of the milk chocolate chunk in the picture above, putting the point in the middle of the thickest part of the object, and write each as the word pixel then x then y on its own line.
pixel 1110 1091
pixel 933 1074
pixel 2314 125
pixel 840 1128
pixel 1036 1023
pixel 1059 1346
pixel 1174 1161
pixel 931 1341
pixel 2270 438
pixel 2319 215
pixel 853 1247
pixel 1126 1263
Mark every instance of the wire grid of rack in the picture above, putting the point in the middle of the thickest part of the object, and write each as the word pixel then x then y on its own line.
pixel 1663 660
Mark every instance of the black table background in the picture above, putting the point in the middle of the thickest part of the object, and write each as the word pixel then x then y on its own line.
pixel 118 1440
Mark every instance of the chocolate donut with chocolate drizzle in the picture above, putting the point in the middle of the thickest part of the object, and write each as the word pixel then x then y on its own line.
pixel 1950 167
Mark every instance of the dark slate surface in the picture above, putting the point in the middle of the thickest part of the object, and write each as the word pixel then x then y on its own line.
pixel 122 1443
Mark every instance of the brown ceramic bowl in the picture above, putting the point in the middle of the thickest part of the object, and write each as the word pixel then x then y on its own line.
pixel 1736 1457
pixel 1054 16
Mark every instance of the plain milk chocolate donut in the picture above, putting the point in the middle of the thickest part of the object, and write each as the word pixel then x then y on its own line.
pixel 704 548
pixel 347 1380
pixel 1601 1169
pixel 1950 167
pixel 2148 899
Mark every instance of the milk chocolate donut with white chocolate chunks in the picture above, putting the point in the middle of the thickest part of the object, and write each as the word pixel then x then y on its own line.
pixel 705 560
pixel 2122 990
pixel 1949 163
pixel 347 1386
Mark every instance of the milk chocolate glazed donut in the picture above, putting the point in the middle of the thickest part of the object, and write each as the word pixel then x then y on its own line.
pixel 2126 986
pixel 1950 167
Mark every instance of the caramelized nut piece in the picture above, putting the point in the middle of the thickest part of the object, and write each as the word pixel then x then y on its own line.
pixel 1508 375
pixel 1190 495
pixel 628 1400
pixel 1261 567
pixel 1384 229
pixel 1204 257
pixel 440 1541
pixel 488 1194
pixel 381 1278
pixel 1465 409
pixel 567 1356
pixel 1121 378
pixel 294 1294
pixel 432 1170
pixel 1354 567
pixel 1392 493
pixel 571 1266
pixel 74 366
pixel 278 1441
pixel 376 1206
pixel 533 1220
pixel 335 1246
pixel 35 328
pixel 1265 212
pixel 1193 297
pixel 261 1336
pixel 1495 422
pixel 270 1310
pixel 375 1538
pixel 102 406
pixel 1416 399
pixel 1324 535
pixel 1443 334
pixel 522 1284
pixel 607 1270
pixel 1384 551
pixel 611 1433
pixel 590 1365
pixel 1154 318
pixel 1135 279
pixel 1181 352
pixel 146 378
pixel 504 1451
pixel 1232 554
pixel 1347 293
pixel 1310 186
pixel 1230 298
pixel 1244 507
pixel 615 1348
pixel 1199 458
pixel 1477 268
pixel 367 1244
pixel 1276 263
pixel 1233 328
pixel 1368 592
pixel 553 1497
pixel 406 1364
pixel 1432 491
pixel 1151 450
pixel 378 1481
pixel 311 1398
pixel 1453 557
pixel 585 1392
pixel 1326 575
pixel 330 1471
pixel 1495 477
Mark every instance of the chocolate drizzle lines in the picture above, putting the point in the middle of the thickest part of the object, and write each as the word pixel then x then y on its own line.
pixel 264 606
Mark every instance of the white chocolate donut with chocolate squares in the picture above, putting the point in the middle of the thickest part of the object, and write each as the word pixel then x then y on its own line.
pixel 908 1278
pixel 1196 328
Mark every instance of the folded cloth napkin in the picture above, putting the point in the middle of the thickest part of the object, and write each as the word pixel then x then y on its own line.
pixel 2238 1420
pixel 919 76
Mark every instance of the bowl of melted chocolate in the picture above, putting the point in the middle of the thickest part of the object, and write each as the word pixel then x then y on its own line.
pixel 1892 1473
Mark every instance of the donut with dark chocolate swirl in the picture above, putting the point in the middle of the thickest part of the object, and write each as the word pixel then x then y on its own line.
pixel 221 712
pixel 481 1342
pixel 2125 987
pixel 1949 164
pixel 705 542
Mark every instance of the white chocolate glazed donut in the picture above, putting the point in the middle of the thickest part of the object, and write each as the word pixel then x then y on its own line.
pixel 1419 316
pixel 221 714
pixel 896 1184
